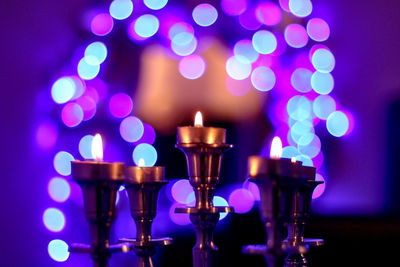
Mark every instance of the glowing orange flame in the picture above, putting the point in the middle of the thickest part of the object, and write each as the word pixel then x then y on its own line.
pixel 276 148
pixel 293 160
pixel 198 120
pixel 97 148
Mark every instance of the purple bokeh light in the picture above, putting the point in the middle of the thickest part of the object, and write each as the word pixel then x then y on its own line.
pixel 88 106
pixel 72 114
pixel 120 105
pixel 192 67
pixel 149 135
pixel 181 190
pixel 46 134
pixel 131 129
pixel 242 200
pixel 234 7
pixel 268 13
pixel 318 29
pixel 319 190
pixel 178 218
pixel 102 24
pixel 248 20
pixel 296 36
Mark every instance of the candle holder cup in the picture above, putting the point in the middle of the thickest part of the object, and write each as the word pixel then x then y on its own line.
pixel 142 185
pixel 285 199
pixel 99 182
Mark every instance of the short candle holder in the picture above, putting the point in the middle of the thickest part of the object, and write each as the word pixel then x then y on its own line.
pixel 203 148
pixel 100 182
pixel 143 185
pixel 286 189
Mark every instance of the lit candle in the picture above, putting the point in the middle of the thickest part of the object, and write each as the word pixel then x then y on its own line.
pixel 141 174
pixel 97 169
pixel 200 134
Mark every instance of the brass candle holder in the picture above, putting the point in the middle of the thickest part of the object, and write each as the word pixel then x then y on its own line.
pixel 143 185
pixel 100 182
pixel 203 148
pixel 286 189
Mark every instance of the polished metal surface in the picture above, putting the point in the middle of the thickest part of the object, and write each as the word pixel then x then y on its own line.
pixel 100 182
pixel 205 135
pixel 139 175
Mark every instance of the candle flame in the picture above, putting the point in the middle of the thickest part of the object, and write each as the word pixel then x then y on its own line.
pixel 97 148
pixel 141 162
pixel 276 148
pixel 198 120
pixel 293 160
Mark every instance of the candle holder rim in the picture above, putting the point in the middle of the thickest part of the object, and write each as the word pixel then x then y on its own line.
pixel 201 144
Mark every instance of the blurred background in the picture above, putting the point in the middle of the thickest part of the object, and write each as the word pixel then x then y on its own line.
pixel 322 75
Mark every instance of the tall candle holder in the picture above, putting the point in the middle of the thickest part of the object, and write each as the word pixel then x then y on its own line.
pixel 203 148
pixel 286 189
pixel 143 185
pixel 100 182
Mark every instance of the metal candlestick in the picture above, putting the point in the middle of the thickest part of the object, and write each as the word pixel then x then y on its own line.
pixel 143 185
pixel 286 191
pixel 100 182
pixel 203 148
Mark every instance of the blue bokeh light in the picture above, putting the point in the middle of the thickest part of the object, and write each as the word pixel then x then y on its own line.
pixel 85 146
pixel 305 160
pixel 121 9
pixel 301 80
pixel 88 68
pixel 146 152
pixel 323 60
pixel 322 83
pixel 323 106
pixel 205 15
pixel 299 108
pixel 264 42
pixel 184 43
pixel 59 189
pixel 58 250
pixel 289 152
pixel 312 149
pixel 300 8
pixel 54 219
pixel 131 129
pixel 220 202
pixel 263 78
pixel 238 69
pixel 146 25
pixel 97 50
pixel 244 49
pixel 302 132
pixel 63 90
pixel 337 123
pixel 155 4
pixel 62 163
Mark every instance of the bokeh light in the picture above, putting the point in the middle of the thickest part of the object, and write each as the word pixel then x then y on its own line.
pixel 311 149
pixel 121 9
pixel 305 160
pixel 301 80
pixel 263 78
pixel 242 200
pixel 319 190
pixel 300 8
pixel 85 146
pixel 58 250
pixel 233 7
pixel 149 135
pixel 179 28
pixel 46 135
pixel 59 189
pixel 268 13
pixel 155 4
pixel 322 83
pixel 238 87
pixel 253 189
pixel 102 24
pixel 205 15
pixel 146 152
pixel 284 5
pixel 238 69
pixel 62 162
pixel 323 60
pixel 302 132
pixel 184 43
pixel 178 218
pixel 299 108
pixel 88 106
pixel 296 36
pixel 264 42
pixel 248 20
pixel 220 202
pixel 289 152
pixel 72 114
pixel 120 105
pixel 88 67
pixel 337 123
pixel 54 219
pixel 146 25
pixel 97 50
pixel 318 29
pixel 131 129
pixel 323 106
pixel 181 190
pixel 192 66
pixel 63 90
pixel 244 49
